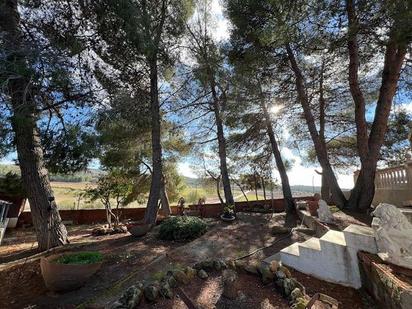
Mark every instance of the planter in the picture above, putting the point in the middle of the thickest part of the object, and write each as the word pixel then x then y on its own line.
pixel 227 219
pixel 139 230
pixel 65 277
pixel 313 207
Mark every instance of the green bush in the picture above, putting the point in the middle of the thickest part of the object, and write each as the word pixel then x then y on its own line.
pixel 80 258
pixel 11 184
pixel 182 228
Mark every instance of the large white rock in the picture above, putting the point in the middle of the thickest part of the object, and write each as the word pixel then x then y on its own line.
pixel 324 213
pixel 393 234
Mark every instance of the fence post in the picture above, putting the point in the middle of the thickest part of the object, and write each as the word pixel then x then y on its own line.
pixel 408 165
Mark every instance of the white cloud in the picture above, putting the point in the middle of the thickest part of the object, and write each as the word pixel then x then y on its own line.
pixel 184 169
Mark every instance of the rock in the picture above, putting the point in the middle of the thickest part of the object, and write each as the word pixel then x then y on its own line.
pixel 296 293
pixel 266 274
pixel 279 285
pixel 288 286
pixel 165 290
pixel 171 281
pixel 130 299
pixel 181 277
pixel 324 213
pixel 285 271
pixel 190 272
pixel 274 266
pixel 280 230
pixel 207 265
pixel 280 275
pixel 101 230
pixel 393 234
pixel 230 285
pixel 217 266
pixel 151 292
pixel 251 268
pixel 239 264
pixel 202 274
pixel 139 230
pixel 300 303
pixel 231 264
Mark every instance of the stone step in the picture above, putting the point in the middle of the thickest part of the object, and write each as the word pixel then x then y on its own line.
pixel 360 238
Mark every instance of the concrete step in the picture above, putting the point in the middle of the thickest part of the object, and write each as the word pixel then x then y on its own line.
pixel 290 255
pixel 360 238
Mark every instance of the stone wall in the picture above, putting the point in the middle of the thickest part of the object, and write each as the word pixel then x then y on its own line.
pixel 381 281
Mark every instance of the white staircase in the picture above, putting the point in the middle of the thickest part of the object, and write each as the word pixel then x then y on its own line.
pixel 333 257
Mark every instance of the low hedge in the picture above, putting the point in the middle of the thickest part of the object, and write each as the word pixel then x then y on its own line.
pixel 80 258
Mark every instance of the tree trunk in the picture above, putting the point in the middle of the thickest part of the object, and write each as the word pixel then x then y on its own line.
pixel 154 195
pixel 287 192
pixel 325 190
pixel 320 148
pixel 222 149
pixel 50 230
pixel 164 199
pixel 263 187
pixel 369 146
pixel 256 186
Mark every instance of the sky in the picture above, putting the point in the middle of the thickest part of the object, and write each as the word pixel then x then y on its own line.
pixel 299 174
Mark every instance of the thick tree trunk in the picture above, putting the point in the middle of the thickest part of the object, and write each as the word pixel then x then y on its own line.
pixel 287 192
pixel 369 145
pixel 49 228
pixel 320 148
pixel 154 195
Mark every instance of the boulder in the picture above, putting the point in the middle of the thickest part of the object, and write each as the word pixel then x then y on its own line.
pixel 202 274
pixel 230 285
pixel 151 292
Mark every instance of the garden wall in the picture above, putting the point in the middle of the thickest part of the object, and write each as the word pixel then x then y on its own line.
pixel 91 216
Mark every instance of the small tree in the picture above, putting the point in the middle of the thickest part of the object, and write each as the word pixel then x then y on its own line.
pixel 113 190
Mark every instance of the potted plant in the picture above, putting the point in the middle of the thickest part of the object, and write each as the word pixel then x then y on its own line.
pixel 228 213
pixel 69 271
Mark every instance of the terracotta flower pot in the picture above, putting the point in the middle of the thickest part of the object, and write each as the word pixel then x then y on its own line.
pixel 65 277
pixel 313 207
pixel 139 230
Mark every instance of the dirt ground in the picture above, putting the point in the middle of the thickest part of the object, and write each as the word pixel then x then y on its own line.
pixel 128 260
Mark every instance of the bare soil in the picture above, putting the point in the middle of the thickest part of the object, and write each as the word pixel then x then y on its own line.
pixel 128 260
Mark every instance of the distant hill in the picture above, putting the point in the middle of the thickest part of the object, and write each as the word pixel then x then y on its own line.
pixel 89 175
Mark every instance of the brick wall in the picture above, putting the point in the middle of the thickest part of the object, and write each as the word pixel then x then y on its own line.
pixel 91 216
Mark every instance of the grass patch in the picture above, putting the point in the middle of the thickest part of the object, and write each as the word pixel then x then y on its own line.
pixel 80 258
pixel 182 228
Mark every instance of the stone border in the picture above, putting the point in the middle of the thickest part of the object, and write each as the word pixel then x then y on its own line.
pixel 275 273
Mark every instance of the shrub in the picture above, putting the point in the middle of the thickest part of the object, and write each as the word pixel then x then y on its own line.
pixel 182 228
pixel 80 258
